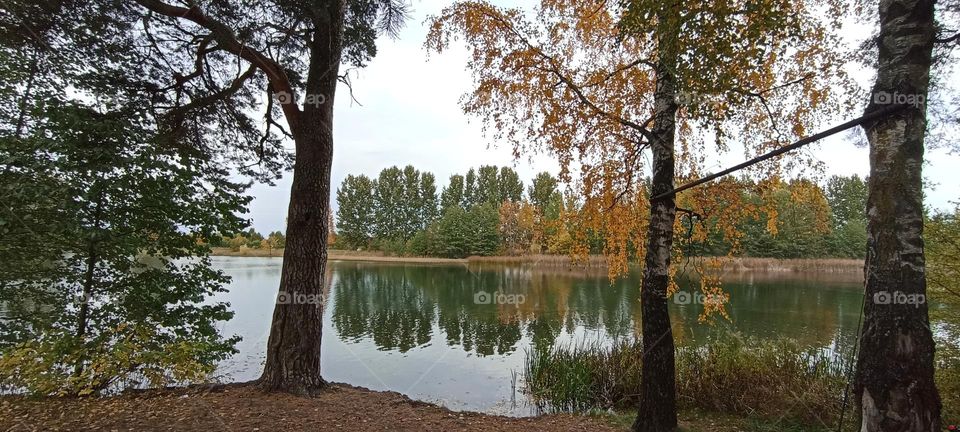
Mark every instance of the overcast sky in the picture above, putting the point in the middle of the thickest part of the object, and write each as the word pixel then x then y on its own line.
pixel 410 115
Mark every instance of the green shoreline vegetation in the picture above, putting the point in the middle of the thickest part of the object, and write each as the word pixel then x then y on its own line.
pixel 773 385
pixel 485 213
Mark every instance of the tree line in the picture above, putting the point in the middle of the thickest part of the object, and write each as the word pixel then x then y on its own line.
pixel 400 211
pixel 490 211
pixel 249 238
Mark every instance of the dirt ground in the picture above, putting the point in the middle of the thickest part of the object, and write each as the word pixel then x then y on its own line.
pixel 245 408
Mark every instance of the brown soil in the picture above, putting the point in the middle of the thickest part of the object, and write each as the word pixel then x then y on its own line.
pixel 242 407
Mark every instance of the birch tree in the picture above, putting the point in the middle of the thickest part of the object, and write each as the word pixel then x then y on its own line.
pixel 597 85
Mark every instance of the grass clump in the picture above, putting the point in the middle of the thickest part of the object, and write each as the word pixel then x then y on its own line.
pixel 766 377
pixel 763 379
pixel 584 376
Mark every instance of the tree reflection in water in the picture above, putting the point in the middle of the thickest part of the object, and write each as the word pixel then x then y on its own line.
pixel 400 307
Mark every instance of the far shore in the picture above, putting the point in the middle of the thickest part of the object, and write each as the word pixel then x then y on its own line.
pixel 735 264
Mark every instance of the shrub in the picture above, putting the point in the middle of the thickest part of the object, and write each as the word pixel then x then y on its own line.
pixel 60 364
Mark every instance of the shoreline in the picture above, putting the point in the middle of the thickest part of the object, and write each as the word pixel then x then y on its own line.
pixel 243 406
pixel 340 406
pixel 735 264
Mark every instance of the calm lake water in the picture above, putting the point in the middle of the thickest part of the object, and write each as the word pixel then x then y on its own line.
pixel 429 332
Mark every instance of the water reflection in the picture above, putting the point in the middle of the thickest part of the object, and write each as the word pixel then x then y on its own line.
pixel 396 306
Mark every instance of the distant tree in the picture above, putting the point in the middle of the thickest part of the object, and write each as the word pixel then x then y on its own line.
pixel 355 212
pixel 427 242
pixel 848 198
pixel 390 208
pixel 411 213
pixel 488 186
pixel 453 193
pixel 277 240
pixel 510 185
pixel 545 195
pixel 331 228
pixel 453 232
pixel 483 221
pixel 794 225
pixel 942 241
pixel 428 205
pixel 517 227
pixel 848 206
pixel 253 238
pixel 470 189
pixel 236 242
pixel 469 232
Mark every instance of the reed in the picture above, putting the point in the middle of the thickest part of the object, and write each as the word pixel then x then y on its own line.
pixel 543 260
pixel 821 265
pixel 728 375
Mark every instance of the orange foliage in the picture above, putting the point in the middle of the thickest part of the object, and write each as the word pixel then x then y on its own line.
pixel 576 78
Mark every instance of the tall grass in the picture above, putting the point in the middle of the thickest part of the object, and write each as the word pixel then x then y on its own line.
pixel 729 374
pixel 583 376
pixel 762 377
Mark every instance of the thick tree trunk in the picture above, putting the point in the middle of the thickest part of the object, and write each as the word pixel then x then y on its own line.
pixel 658 400
pixel 293 350
pixel 895 388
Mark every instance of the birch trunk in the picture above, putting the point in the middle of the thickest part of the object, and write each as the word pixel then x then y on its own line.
pixel 895 388
pixel 658 399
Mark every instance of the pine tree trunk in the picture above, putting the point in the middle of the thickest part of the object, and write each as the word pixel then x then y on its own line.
pixel 658 400
pixel 895 388
pixel 293 349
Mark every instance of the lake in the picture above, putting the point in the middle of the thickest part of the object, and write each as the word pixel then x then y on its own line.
pixel 457 334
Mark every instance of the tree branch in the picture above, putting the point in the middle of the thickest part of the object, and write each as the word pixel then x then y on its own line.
pixel 212 98
pixel 228 41
pixel 577 90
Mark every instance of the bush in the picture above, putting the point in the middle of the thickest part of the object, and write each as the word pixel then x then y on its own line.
pixel 122 357
pixel 392 247
pixel 425 243
pixel 474 232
